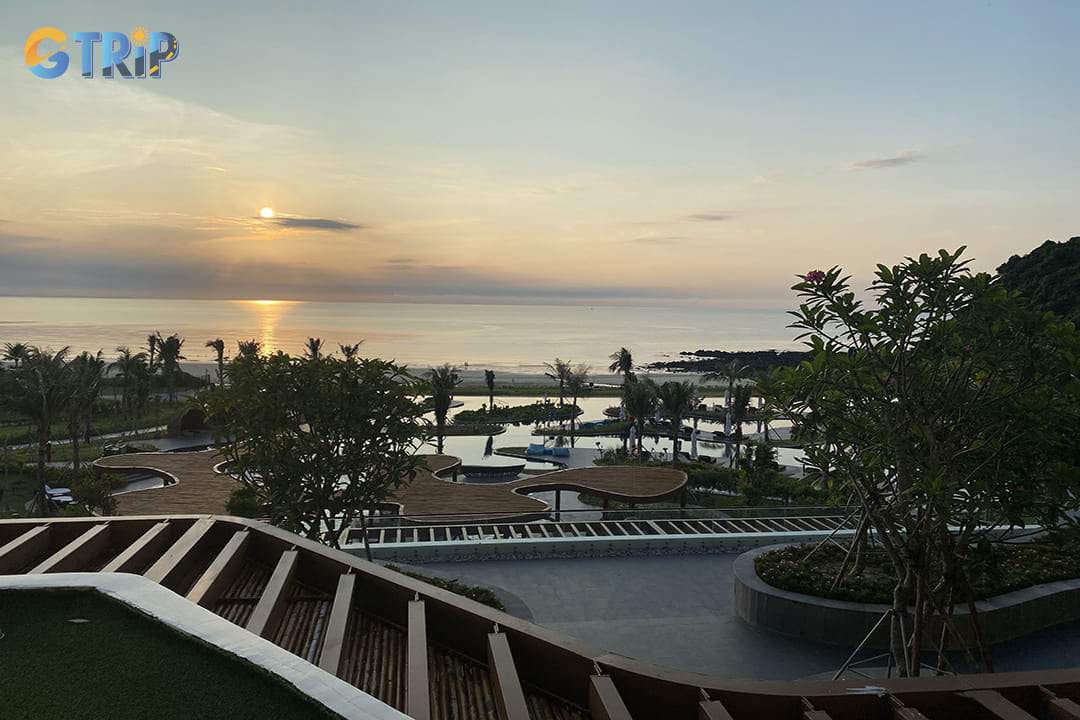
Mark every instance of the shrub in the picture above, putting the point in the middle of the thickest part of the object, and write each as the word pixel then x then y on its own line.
pixel 473 592
pixel 997 568
pixel 243 503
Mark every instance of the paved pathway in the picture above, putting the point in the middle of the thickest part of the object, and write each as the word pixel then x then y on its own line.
pixel 676 611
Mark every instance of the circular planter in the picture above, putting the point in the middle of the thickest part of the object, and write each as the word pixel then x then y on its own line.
pixel 838 622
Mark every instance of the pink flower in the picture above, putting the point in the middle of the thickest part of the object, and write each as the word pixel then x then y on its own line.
pixel 814 277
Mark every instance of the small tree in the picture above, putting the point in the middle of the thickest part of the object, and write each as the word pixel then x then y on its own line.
pixel 622 362
pixel 83 376
pixel 319 442
pixel 559 371
pixel 640 399
pixel 443 380
pixel 42 392
pixel 577 384
pixel 676 400
pixel 946 408
pixel 489 380
pixel 218 345
pixel 350 352
pixel 168 350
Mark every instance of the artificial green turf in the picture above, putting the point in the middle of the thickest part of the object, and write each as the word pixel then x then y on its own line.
pixel 116 663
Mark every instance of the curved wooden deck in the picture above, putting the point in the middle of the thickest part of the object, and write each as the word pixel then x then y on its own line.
pixel 429 495
pixel 199 488
pixel 196 486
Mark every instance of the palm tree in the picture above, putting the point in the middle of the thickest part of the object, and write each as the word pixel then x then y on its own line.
pixel 85 373
pixel 640 400
pixel 15 352
pixel 248 348
pixel 313 348
pixel 42 392
pixel 489 380
pixel 559 371
pixel 577 386
pixel 349 352
pixel 219 347
pixel 169 357
pixel 622 362
pixel 151 342
pixel 443 380
pixel 740 405
pixel 733 372
pixel 676 400
pixel 132 370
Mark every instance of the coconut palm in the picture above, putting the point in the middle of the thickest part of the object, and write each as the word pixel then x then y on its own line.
pixel 640 400
pixel 349 352
pixel 42 393
pixel 84 375
pixel 622 362
pixel 740 406
pixel 132 370
pixel 559 371
pixel 443 380
pixel 151 343
pixel 248 348
pixel 15 352
pixel 733 372
pixel 489 380
pixel 169 357
pixel 676 400
pixel 313 348
pixel 577 385
pixel 219 347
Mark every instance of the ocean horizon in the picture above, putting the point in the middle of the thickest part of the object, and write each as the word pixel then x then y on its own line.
pixel 515 338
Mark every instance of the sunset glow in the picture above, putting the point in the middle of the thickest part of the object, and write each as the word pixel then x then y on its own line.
pixel 546 153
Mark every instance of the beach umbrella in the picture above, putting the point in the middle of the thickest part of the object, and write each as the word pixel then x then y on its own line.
pixel 693 446
pixel 633 437
pixel 622 411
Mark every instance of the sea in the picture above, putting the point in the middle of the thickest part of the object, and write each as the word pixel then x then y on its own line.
pixel 512 338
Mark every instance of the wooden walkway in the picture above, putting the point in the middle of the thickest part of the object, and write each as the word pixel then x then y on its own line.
pixel 429 495
pixel 199 488
pixel 196 487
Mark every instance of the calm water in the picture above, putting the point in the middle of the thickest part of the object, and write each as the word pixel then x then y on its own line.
pixel 508 337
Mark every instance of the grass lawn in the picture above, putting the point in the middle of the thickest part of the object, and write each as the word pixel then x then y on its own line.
pixel 78 654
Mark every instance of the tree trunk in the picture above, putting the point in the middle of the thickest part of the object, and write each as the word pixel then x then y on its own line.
pixel 363 529
pixel 854 550
pixel 41 498
pixel 897 645
pixel 74 428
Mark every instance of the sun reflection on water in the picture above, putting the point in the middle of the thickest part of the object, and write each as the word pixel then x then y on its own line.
pixel 268 315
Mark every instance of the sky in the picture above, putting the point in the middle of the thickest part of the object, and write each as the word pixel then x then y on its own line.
pixel 516 152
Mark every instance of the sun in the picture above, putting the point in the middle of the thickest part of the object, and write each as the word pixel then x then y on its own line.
pixel 139 36
pixel 267 212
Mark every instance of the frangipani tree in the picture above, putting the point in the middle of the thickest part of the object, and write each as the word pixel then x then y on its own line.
pixel 946 408
pixel 318 441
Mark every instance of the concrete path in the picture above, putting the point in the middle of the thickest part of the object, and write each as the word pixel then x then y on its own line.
pixel 676 611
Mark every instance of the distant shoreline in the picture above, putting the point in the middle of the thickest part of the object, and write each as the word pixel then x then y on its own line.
pixel 474 382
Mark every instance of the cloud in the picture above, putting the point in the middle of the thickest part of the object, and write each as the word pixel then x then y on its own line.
pixel 658 240
pixel 11 240
pixel 709 217
pixel 318 223
pixel 905 158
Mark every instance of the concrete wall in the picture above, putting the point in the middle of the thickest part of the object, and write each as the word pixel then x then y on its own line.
pixel 1002 618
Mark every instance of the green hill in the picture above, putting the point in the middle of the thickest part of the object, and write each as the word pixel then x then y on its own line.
pixel 1049 277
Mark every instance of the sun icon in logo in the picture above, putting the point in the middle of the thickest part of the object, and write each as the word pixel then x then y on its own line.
pixel 139 36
